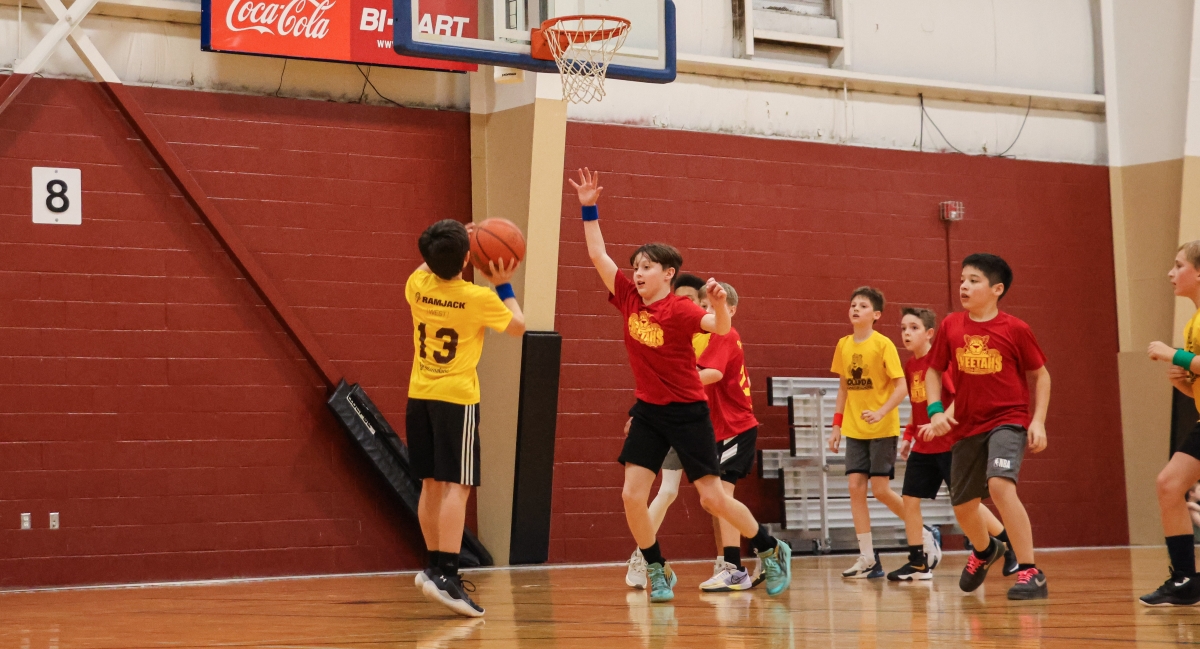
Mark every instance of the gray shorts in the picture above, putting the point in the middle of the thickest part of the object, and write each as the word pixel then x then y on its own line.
pixel 994 454
pixel 672 463
pixel 874 457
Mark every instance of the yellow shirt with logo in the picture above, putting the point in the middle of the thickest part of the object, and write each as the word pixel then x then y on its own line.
pixel 449 317
pixel 868 370
pixel 1191 342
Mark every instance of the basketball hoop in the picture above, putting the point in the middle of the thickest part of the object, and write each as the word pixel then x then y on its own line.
pixel 582 47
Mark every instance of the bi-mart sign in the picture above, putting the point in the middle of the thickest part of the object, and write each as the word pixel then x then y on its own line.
pixel 351 31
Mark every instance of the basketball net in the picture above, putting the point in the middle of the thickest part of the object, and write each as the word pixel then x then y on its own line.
pixel 582 47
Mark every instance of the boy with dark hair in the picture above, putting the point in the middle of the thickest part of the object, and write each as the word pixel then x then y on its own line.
pixel 723 373
pixel 993 355
pixel 671 410
pixel 929 462
pixel 688 286
pixel 442 418
pixel 1183 470
pixel 870 388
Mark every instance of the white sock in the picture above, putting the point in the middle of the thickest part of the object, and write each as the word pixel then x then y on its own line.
pixel 865 548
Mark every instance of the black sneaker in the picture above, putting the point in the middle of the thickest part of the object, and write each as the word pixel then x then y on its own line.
pixel 424 576
pixel 451 592
pixel 1011 565
pixel 1178 590
pixel 912 571
pixel 1031 584
pixel 976 569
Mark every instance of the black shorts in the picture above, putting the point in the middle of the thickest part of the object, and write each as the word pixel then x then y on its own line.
pixel 686 427
pixel 1191 443
pixel 736 455
pixel 443 441
pixel 925 473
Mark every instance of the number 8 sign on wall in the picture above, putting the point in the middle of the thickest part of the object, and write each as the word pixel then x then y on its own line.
pixel 56 196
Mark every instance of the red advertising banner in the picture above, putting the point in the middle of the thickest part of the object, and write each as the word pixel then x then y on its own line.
pixel 353 31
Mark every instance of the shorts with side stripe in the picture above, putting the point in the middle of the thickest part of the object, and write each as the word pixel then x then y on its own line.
pixel 443 441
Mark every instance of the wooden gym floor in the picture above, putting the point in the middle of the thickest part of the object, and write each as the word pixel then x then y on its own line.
pixel 1091 605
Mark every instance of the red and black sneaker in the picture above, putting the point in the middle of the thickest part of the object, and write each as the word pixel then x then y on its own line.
pixel 976 569
pixel 1031 584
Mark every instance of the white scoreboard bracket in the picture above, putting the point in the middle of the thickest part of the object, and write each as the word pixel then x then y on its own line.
pixel 56 196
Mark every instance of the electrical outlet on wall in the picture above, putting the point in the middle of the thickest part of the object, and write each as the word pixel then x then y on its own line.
pixel 53 520
pixel 26 521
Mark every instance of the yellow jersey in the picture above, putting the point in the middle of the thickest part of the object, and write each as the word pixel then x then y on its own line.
pixel 449 317
pixel 700 343
pixel 1191 342
pixel 868 370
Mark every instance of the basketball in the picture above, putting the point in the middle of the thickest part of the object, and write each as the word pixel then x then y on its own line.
pixel 498 240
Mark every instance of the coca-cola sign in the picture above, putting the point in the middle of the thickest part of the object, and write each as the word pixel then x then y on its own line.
pixel 354 31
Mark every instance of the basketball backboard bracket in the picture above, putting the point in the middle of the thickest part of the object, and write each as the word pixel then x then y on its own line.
pixel 429 29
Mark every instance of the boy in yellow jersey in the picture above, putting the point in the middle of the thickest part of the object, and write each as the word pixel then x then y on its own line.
pixel 872 385
pixel 1182 472
pixel 442 419
pixel 693 288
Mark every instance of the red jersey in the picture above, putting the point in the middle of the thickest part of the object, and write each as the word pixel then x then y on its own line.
pixel 914 373
pixel 658 338
pixel 989 361
pixel 729 398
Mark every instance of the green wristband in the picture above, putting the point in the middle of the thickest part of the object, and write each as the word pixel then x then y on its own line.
pixel 934 408
pixel 1183 358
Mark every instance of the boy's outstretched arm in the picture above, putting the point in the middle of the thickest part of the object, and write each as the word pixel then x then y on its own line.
pixel 589 190
pixel 719 321
pixel 1041 404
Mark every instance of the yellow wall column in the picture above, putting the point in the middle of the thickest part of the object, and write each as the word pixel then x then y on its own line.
pixel 518 141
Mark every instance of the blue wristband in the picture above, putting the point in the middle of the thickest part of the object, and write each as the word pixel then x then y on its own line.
pixel 505 291
pixel 591 213
pixel 934 408
pixel 1183 358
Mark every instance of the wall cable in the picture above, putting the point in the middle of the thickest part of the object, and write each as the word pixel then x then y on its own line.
pixel 368 80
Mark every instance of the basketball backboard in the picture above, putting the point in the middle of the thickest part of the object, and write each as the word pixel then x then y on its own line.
pixel 497 32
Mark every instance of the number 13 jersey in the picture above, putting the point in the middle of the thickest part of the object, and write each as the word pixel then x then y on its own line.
pixel 449 317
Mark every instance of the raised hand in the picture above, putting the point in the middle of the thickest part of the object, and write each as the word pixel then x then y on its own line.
pixel 498 274
pixel 588 187
pixel 716 292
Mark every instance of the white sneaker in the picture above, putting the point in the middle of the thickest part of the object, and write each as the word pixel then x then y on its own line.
pixel 727 580
pixel 864 568
pixel 932 546
pixel 719 567
pixel 635 576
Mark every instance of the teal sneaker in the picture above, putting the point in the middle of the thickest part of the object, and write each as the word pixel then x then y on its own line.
pixel 662 581
pixel 777 567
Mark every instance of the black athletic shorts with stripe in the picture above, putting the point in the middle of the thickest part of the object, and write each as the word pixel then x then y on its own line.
pixel 443 441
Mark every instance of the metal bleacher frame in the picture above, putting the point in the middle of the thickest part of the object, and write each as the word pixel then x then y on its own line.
pixel 816 492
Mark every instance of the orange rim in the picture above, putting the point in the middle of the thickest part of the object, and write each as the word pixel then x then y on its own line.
pixel 589 35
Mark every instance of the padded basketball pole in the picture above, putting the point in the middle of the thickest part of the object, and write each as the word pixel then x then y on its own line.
pixel 349 403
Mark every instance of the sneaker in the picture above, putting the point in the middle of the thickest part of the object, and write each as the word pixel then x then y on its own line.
pixel 729 579
pixel 635 576
pixel 1177 590
pixel 424 576
pixel 976 569
pixel 757 576
pixel 932 538
pixel 451 592
pixel 865 568
pixel 662 582
pixel 777 567
pixel 1011 565
pixel 912 572
pixel 1031 584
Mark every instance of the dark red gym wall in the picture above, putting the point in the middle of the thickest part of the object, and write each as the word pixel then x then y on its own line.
pixel 146 393
pixel 795 227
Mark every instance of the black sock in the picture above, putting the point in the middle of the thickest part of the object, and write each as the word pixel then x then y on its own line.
pixel 1003 535
pixel 986 552
pixel 762 542
pixel 916 555
pixel 1182 550
pixel 1022 567
pixel 449 565
pixel 435 559
pixel 653 554
pixel 733 554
